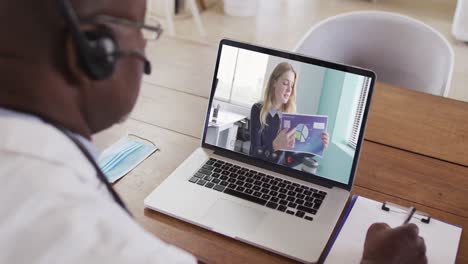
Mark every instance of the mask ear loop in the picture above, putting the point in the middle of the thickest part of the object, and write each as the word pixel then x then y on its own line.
pixel 142 138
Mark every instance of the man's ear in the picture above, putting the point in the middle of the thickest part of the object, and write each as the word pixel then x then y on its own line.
pixel 76 73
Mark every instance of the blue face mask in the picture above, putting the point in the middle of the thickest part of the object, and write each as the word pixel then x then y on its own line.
pixel 123 156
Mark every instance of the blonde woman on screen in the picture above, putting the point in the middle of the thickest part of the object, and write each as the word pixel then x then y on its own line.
pixel 267 138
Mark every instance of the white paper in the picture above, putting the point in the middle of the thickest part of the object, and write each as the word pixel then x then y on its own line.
pixel 441 239
pixel 318 125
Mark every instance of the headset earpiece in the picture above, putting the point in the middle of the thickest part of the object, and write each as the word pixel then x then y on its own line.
pixel 99 62
pixel 95 48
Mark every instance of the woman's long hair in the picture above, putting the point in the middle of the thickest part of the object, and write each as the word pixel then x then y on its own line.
pixel 290 106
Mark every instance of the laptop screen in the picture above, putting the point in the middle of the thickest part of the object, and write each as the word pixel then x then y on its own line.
pixel 295 112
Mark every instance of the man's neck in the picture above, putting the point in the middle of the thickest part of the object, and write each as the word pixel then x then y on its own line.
pixel 35 90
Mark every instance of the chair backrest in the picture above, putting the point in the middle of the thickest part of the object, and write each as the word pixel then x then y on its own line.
pixel 401 50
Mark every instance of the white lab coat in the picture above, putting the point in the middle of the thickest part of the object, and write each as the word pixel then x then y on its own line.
pixel 53 209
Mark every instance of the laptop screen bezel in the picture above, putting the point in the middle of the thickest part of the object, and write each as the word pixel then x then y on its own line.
pixel 313 178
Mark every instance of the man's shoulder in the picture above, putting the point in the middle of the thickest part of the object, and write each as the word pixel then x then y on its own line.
pixel 63 212
pixel 38 175
pixel 37 141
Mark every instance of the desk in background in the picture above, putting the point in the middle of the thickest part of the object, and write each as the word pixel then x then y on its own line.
pixel 223 133
pixel 415 153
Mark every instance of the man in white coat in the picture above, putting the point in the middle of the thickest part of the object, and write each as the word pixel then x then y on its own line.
pixel 67 72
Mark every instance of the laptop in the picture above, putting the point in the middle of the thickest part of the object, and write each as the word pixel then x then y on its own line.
pixel 279 152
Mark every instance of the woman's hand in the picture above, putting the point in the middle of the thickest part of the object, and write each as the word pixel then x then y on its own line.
pixel 325 139
pixel 284 140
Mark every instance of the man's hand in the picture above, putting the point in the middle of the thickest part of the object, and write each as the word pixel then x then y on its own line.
pixel 394 245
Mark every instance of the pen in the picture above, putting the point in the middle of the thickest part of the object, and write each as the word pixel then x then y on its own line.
pixel 412 210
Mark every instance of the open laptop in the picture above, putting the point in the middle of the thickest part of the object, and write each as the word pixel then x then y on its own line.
pixel 286 201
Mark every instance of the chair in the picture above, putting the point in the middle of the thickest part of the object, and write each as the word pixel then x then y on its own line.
pixel 402 51
pixel 169 7
pixel 460 21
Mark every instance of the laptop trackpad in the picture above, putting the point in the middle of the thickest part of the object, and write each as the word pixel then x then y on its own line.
pixel 232 218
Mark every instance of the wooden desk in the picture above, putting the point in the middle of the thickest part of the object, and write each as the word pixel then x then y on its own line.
pixel 223 133
pixel 423 123
pixel 415 153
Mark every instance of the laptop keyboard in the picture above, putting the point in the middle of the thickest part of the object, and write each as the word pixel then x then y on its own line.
pixel 272 192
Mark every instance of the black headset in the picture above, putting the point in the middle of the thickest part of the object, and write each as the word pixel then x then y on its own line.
pixel 96 49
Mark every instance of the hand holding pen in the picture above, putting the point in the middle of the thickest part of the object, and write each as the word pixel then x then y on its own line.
pixel 394 245
pixel 411 212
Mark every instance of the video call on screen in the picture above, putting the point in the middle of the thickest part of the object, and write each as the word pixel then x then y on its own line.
pixel 294 114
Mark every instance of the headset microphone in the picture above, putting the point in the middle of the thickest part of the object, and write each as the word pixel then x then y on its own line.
pixel 137 54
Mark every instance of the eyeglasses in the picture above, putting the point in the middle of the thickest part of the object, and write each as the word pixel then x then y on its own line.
pixel 150 30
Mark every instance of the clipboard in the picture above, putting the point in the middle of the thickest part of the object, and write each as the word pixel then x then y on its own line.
pixel 442 239
pixel 398 209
